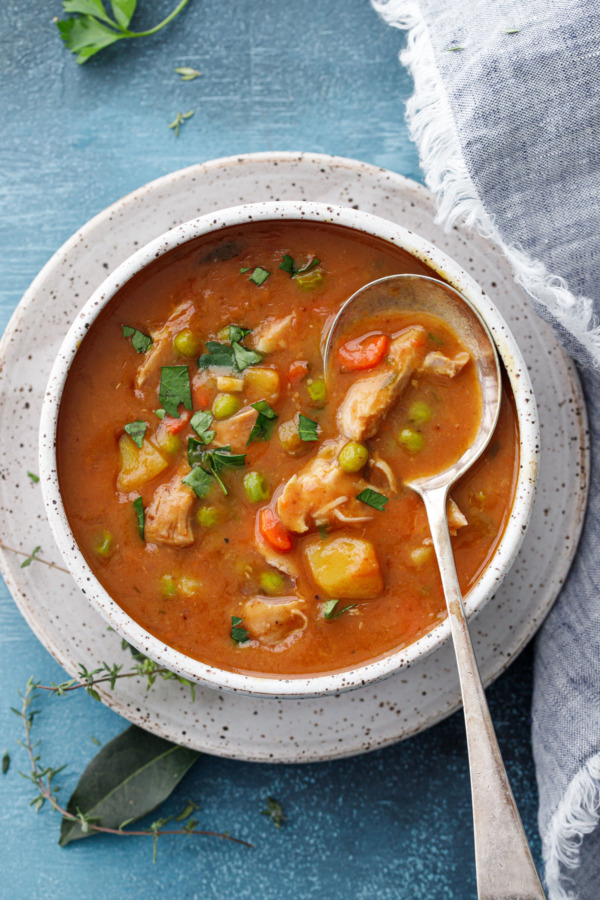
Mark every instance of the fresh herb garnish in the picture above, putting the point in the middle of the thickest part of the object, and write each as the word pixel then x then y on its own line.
pixel 274 811
pixel 139 341
pixel 435 339
pixel 187 74
pixel 240 635
pixel 136 431
pixel 323 530
pixel 307 429
pixel 93 29
pixel 330 610
pixel 259 276
pixel 138 505
pixel 211 462
pixel 245 269
pixel 244 358
pixel 235 356
pixel 262 428
pixel 35 478
pixel 288 265
pixel 237 333
pixel 175 389
pixel 32 556
pixel 161 413
pixel 180 120
pixel 201 422
pixel 199 481
pixel 373 498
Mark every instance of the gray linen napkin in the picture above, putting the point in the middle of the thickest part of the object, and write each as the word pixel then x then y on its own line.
pixel 506 115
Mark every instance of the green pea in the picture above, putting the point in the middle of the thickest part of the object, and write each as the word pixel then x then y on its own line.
pixel 310 280
pixel 256 487
pixel 317 392
pixel 352 457
pixel 225 405
pixel 411 440
pixel 105 545
pixel 187 343
pixel 271 583
pixel 419 412
pixel 208 516
pixel 170 444
pixel 168 588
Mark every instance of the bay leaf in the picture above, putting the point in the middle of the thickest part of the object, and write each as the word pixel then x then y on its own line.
pixel 129 777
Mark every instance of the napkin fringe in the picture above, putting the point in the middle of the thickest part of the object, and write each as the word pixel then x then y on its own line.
pixel 432 128
pixel 577 814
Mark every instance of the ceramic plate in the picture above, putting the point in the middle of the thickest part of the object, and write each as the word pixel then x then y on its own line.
pixel 232 725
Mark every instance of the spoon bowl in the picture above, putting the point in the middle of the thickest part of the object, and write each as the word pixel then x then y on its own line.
pixel 504 865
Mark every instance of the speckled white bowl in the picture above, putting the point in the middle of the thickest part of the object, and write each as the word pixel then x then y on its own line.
pixel 294 686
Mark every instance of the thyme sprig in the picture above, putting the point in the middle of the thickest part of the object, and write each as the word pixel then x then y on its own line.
pixel 43 778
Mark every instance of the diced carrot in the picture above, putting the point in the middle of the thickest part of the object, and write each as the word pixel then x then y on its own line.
pixel 174 426
pixel 273 531
pixel 297 371
pixel 201 396
pixel 363 353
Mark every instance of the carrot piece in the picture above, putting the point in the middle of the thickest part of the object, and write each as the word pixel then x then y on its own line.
pixel 297 371
pixel 363 353
pixel 273 531
pixel 173 426
pixel 201 396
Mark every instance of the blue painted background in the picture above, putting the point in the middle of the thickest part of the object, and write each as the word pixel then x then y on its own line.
pixel 299 75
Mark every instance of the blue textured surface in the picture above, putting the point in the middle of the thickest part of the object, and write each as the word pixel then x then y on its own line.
pixel 301 75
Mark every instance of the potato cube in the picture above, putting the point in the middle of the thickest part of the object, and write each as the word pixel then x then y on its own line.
pixel 229 383
pixel 290 439
pixel 138 464
pixel 345 567
pixel 261 383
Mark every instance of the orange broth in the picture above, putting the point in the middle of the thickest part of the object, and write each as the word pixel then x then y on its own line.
pixel 187 596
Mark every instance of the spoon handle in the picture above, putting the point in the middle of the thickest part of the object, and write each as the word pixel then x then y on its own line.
pixel 505 868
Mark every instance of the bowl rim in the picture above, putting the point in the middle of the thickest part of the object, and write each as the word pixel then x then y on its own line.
pixel 368 672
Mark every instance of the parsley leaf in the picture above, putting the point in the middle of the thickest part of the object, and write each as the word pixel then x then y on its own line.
pixel 240 635
pixel 175 389
pixel 187 74
pixel 373 498
pixel 244 358
pixel 139 341
pixel 245 269
pixel 274 811
pixel 307 429
pixel 30 558
pixel 161 413
pixel 288 265
pixel 35 478
pixel 93 29
pixel 262 428
pixel 330 610
pixel 259 276
pixel 201 422
pixel 199 481
pixel 218 355
pixel 213 461
pixel 138 505
pixel 237 333
pixel 136 431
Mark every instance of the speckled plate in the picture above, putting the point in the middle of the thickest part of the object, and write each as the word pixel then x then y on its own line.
pixel 233 725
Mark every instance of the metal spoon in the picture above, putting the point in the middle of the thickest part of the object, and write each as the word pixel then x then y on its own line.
pixel 505 868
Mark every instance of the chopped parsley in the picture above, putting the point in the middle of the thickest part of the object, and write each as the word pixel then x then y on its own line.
pixel 239 635
pixel 136 431
pixel 175 389
pixel 259 276
pixel 138 505
pixel 212 462
pixel 307 429
pixel 288 265
pixel 262 428
pixel 373 498
pixel 35 478
pixel 217 355
pixel 235 357
pixel 331 611
pixel 244 357
pixel 199 481
pixel 245 269
pixel 139 341
pixel 237 333
pixel 201 422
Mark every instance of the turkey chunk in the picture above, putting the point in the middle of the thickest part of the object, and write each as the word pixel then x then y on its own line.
pixel 168 517
pixel 272 334
pixel 370 398
pixel 274 622
pixel 161 350
pixel 321 493
pixel 235 431
pixel 437 364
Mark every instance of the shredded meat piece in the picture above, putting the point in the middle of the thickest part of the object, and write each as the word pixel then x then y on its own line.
pixel 456 520
pixel 168 517
pixel 274 621
pixel 437 364
pixel 234 432
pixel 314 491
pixel 285 562
pixel 160 352
pixel 371 398
pixel 271 334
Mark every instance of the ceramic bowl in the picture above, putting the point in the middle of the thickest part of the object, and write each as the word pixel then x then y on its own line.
pixel 303 686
